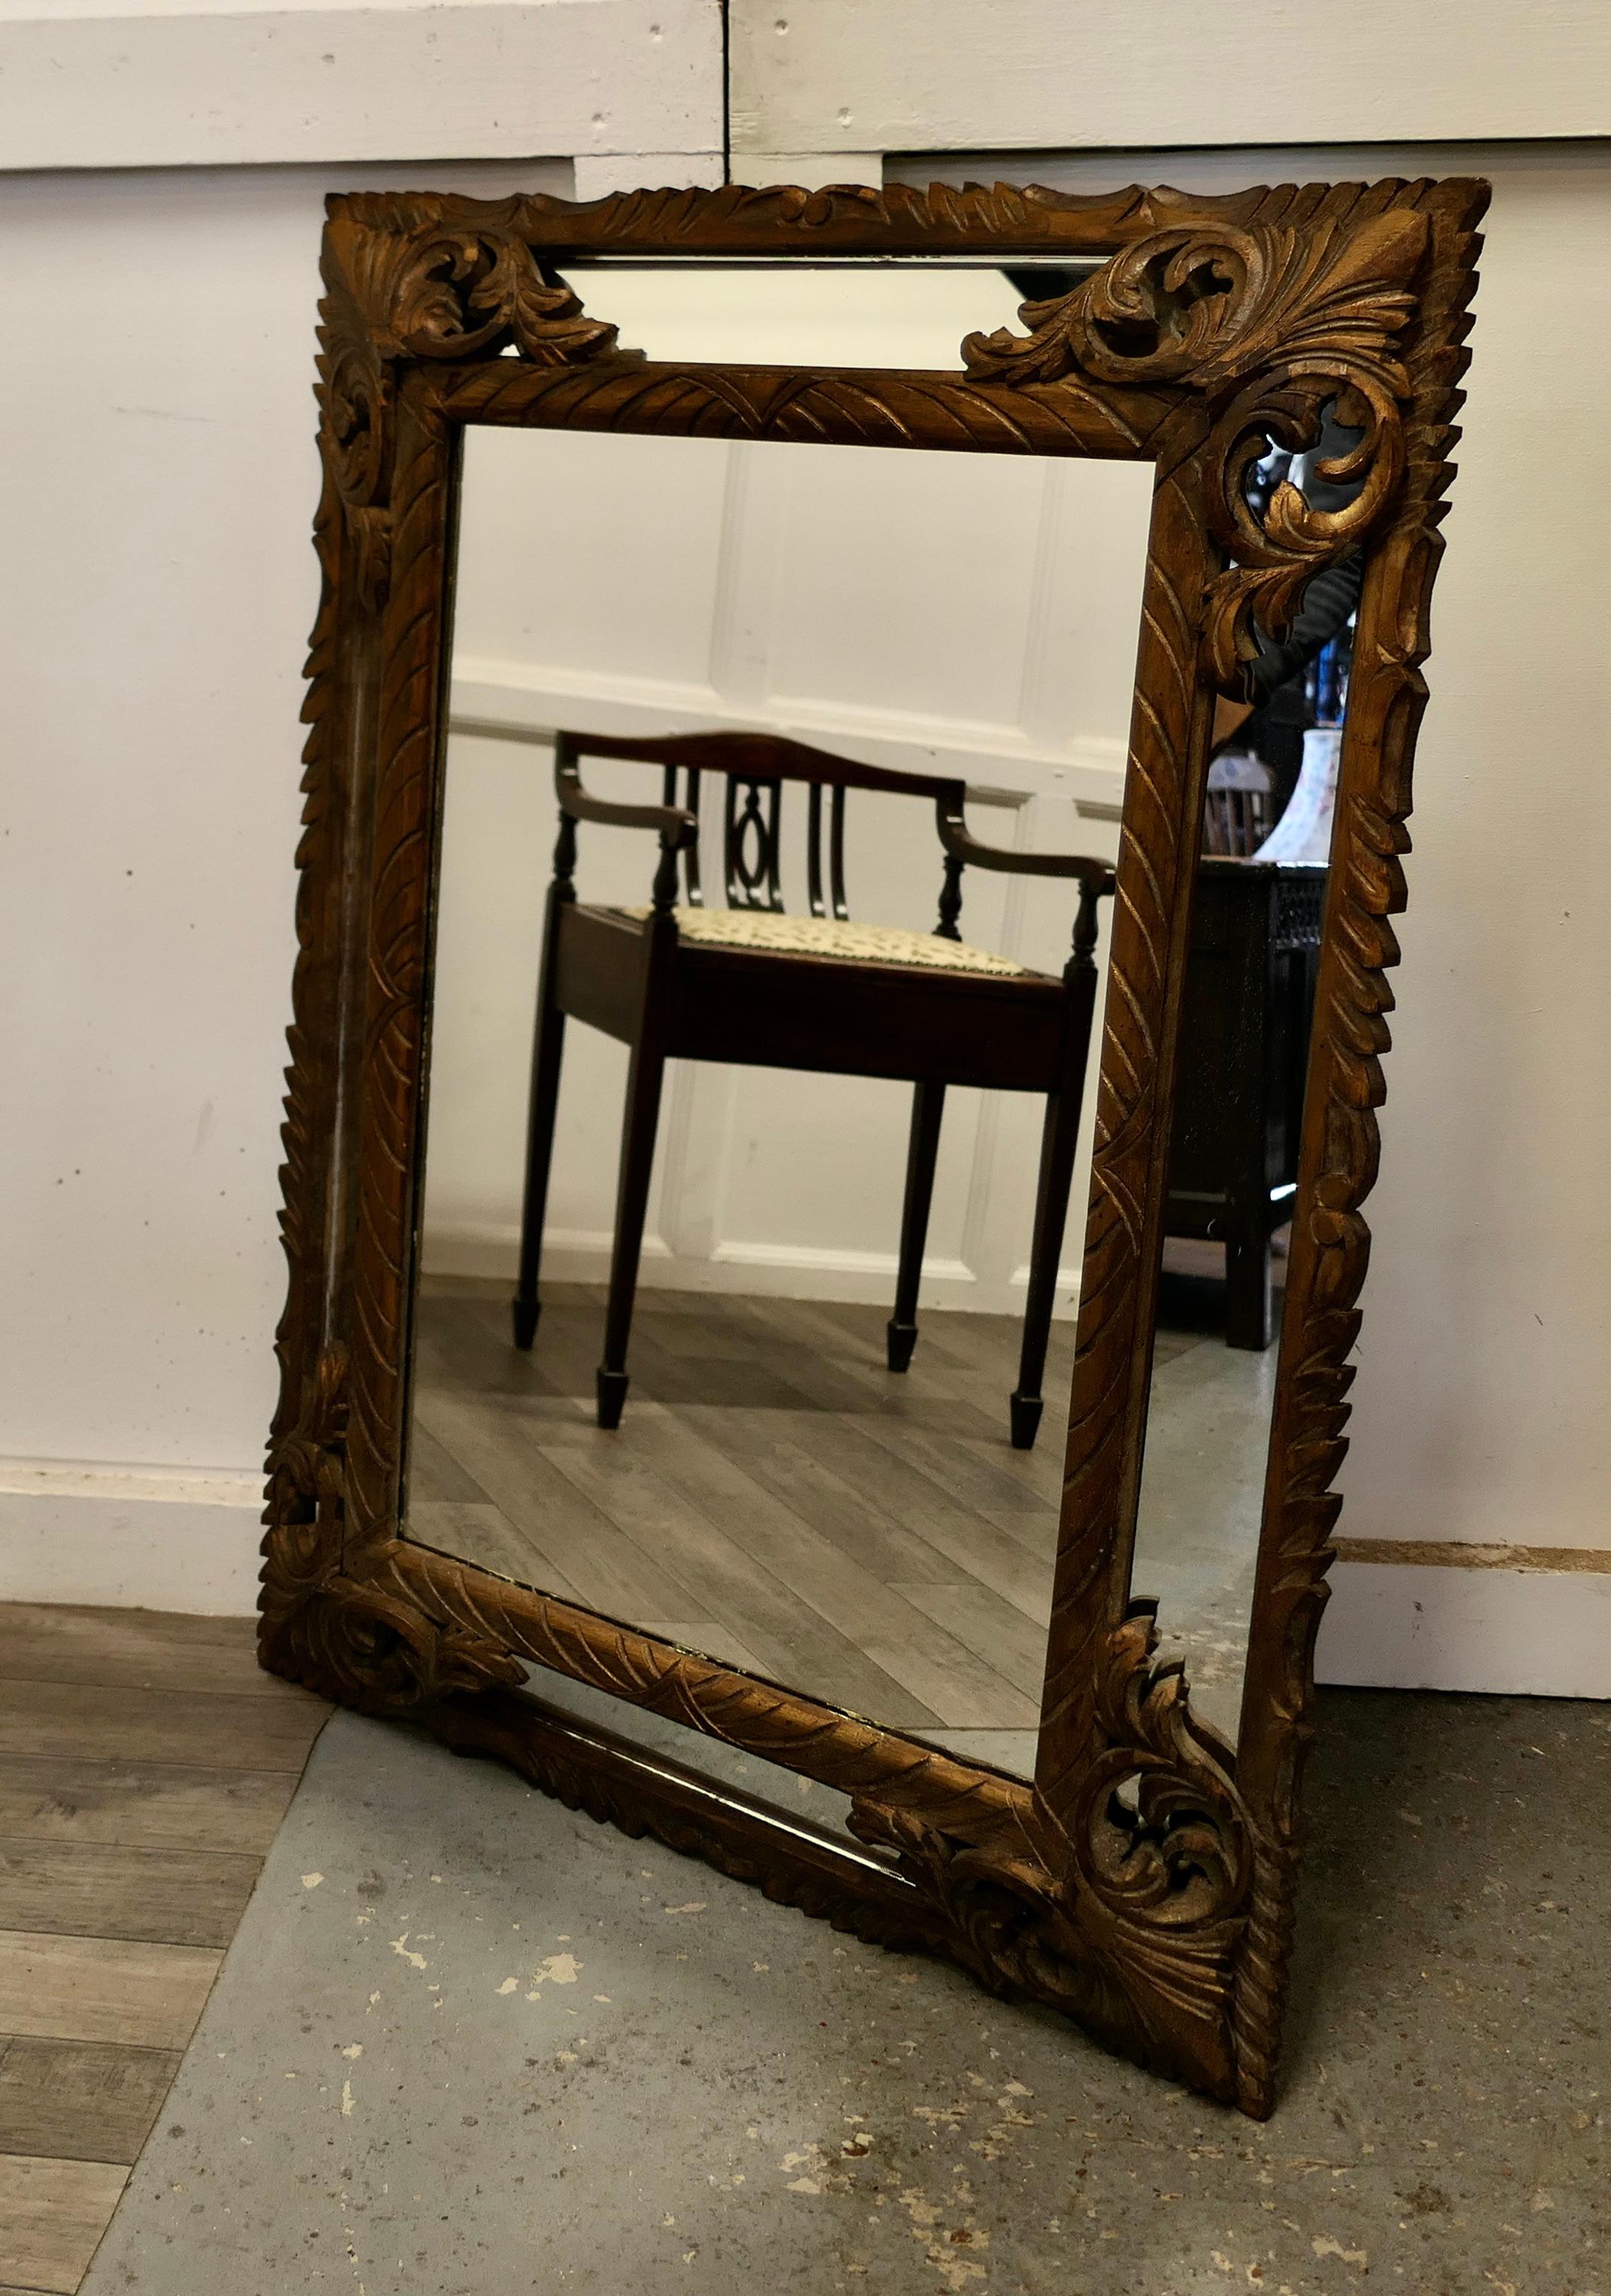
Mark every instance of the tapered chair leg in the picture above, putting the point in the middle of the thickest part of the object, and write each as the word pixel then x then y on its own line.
pixel 1248 1320
pixel 632 1203
pixel 547 1049
pixel 927 1107
pixel 1057 1137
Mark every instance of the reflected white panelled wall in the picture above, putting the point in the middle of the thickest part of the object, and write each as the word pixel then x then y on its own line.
pixel 964 615
pixel 950 640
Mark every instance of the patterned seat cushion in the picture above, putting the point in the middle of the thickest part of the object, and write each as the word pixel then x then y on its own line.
pixel 766 931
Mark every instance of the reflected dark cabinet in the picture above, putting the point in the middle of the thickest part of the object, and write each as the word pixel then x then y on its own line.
pixel 1245 1023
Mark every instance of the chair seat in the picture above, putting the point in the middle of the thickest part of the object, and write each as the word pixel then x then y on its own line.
pixel 767 932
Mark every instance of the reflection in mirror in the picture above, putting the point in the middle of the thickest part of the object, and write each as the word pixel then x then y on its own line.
pixel 838 313
pixel 819 1457
pixel 1245 1030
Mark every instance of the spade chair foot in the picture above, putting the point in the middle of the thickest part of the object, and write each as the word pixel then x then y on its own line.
pixel 1025 1410
pixel 612 1397
pixel 523 1314
pixel 900 1339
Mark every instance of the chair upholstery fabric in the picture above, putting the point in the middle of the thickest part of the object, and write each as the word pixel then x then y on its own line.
pixel 767 931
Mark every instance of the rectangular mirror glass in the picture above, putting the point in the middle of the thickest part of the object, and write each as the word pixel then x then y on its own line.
pixel 1245 1022
pixel 815 1476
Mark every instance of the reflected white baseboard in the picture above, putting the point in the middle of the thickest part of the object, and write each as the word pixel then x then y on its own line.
pixel 1418 1625
pixel 771 1271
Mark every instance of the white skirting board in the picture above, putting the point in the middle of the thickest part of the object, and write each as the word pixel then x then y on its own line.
pixel 134 1538
pixel 1437 1625
pixel 170 1540
pixel 769 1271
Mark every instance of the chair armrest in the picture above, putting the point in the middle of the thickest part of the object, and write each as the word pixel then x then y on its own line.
pixel 1094 876
pixel 676 826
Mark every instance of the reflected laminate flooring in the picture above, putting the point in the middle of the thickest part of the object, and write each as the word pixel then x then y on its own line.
pixel 773 1497
pixel 145 1764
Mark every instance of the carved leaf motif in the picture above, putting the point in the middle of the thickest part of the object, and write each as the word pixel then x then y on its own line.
pixel 462 291
pixel 1273 560
pixel 1181 1855
pixel 1162 2002
pixel 1206 303
pixel 1302 320
pixel 424 291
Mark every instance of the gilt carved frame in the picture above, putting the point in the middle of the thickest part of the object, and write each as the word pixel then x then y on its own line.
pixel 1159 1916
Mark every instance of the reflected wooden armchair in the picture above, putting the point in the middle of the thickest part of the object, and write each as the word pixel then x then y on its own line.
pixel 750 985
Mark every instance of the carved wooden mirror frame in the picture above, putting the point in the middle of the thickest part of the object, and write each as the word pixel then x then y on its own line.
pixel 1159 1916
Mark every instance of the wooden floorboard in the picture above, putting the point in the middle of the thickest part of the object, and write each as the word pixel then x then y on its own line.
pixel 163 1897
pixel 774 1495
pixel 574 1541
pixel 899 1639
pixel 180 1806
pixel 145 1763
pixel 920 1505
pixel 1012 1646
pixel 730 1581
pixel 90 1989
pixel 137 1649
pixel 51 2215
pixel 87 1720
pixel 81 2100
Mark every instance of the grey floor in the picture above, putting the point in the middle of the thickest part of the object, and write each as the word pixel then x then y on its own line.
pixel 775 1498
pixel 467 2042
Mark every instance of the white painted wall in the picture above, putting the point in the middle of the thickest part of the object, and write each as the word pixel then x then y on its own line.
pixel 840 75
pixel 159 586
pixel 159 83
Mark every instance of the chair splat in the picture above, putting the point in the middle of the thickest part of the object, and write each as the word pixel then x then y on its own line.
pixel 836 852
pixel 751 843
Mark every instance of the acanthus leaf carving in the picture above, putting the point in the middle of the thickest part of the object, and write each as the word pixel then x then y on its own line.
pixel 343 1638
pixel 1179 1855
pixel 381 1656
pixel 404 282
pixel 1293 324
pixel 1131 1914
pixel 1207 303
pixel 305 1513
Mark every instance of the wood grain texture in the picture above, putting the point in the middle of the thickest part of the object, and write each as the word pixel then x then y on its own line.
pixel 88 1989
pixel 51 2215
pixel 151 1805
pixel 168 1895
pixel 1341 1142
pixel 85 1721
pixel 1145 1884
pixel 81 2100
pixel 130 1839
pixel 136 1650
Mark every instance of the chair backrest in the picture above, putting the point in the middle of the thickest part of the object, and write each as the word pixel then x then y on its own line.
pixel 755 765
pixel 1235 822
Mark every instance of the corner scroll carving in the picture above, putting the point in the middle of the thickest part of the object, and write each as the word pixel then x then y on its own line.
pixel 405 281
pixel 1290 323
pixel 346 1640
pixel 1139 1938
pixel 1179 1855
